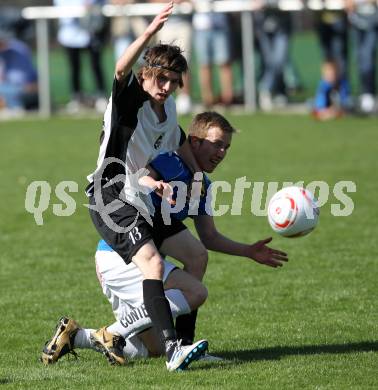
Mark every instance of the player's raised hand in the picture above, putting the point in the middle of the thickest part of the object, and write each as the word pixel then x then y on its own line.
pixel 160 19
pixel 263 254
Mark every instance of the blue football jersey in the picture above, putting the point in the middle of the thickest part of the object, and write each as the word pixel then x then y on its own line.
pixel 171 167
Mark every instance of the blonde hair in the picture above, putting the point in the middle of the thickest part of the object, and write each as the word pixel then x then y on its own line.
pixel 203 122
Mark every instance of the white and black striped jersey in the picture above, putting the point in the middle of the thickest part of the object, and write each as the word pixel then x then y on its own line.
pixel 132 133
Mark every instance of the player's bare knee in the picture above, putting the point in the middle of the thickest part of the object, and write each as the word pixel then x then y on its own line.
pixel 197 295
pixel 198 264
pixel 201 294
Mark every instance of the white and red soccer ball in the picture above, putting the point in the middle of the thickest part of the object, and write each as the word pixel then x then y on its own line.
pixel 293 212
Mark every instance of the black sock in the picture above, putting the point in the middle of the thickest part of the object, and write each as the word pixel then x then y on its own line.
pixel 158 309
pixel 185 327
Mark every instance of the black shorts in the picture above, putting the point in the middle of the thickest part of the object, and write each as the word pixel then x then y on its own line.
pixel 125 230
pixel 161 231
pixel 128 241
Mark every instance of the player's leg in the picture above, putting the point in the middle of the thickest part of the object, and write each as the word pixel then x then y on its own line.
pixel 122 284
pixel 150 263
pixel 126 231
pixel 193 290
pixel 193 294
pixel 157 305
pixel 135 244
pixel 187 249
pixel 197 293
pixel 182 290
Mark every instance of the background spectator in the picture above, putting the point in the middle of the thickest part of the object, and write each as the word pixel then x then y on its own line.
pixel 212 46
pixel 18 77
pixel 273 30
pixel 333 89
pixel 292 78
pixel 363 16
pixel 124 29
pixel 326 105
pixel 78 36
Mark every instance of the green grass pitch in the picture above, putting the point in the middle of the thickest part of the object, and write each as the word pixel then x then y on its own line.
pixel 311 324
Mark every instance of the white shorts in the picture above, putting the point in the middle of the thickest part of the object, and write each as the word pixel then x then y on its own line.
pixel 121 283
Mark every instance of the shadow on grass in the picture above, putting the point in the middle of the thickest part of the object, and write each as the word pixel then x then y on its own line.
pixel 276 353
pixel 5 381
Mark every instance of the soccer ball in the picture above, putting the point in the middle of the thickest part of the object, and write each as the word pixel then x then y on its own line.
pixel 292 212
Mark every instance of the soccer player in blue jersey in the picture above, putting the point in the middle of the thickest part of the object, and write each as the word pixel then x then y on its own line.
pixel 210 136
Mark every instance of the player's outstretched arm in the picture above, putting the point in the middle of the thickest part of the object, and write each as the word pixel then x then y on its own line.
pixel 132 53
pixel 215 241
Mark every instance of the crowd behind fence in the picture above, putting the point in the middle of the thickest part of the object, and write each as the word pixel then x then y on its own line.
pixel 218 32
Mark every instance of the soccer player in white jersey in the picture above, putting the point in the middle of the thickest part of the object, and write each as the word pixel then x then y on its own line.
pixel 139 123
pixel 210 137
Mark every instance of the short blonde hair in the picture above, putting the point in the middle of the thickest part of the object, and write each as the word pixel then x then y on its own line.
pixel 203 122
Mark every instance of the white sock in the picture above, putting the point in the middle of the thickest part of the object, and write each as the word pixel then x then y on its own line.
pixel 137 320
pixel 178 303
pixel 82 339
pixel 135 348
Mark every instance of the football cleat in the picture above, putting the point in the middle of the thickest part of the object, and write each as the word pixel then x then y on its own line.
pixel 62 342
pixel 182 356
pixel 109 344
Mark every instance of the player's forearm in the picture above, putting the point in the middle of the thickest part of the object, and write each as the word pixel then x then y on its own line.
pixel 130 56
pixel 219 243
